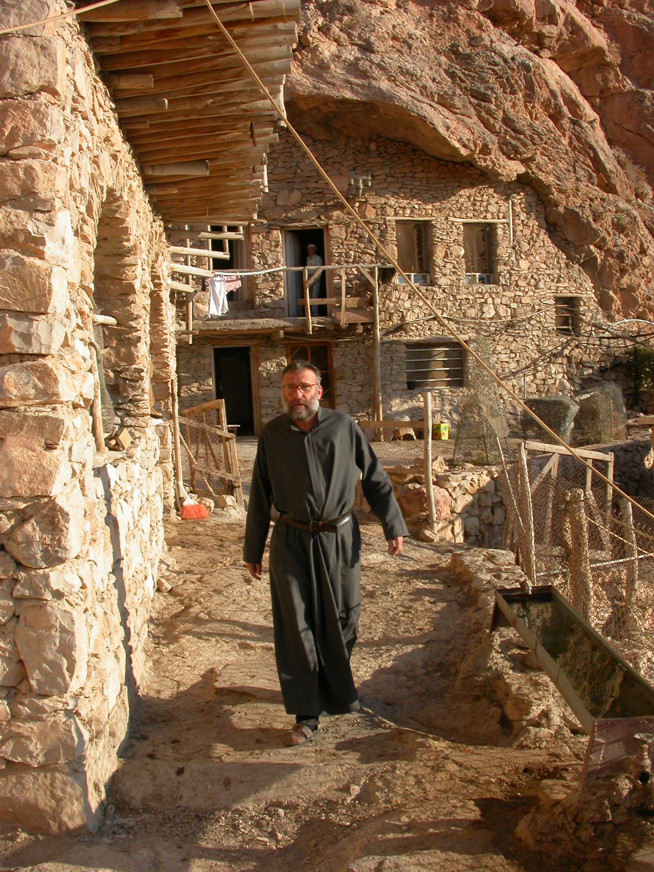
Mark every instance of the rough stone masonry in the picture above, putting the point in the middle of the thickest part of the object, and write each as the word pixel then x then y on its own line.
pixel 80 529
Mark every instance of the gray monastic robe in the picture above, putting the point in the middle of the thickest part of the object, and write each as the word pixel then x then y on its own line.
pixel 315 577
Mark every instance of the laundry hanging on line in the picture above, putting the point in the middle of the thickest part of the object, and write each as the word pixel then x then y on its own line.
pixel 220 284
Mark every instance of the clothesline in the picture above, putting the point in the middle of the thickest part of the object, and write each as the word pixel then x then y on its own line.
pixel 263 272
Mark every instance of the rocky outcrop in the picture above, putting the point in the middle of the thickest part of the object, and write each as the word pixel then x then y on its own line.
pixel 539 92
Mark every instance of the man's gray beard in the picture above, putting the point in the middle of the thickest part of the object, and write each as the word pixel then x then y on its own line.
pixel 301 412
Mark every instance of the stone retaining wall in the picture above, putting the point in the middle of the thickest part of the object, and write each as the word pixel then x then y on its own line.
pixel 81 529
pixel 468 503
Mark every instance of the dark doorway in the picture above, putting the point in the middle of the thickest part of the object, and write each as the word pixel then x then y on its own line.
pixel 296 251
pixel 233 383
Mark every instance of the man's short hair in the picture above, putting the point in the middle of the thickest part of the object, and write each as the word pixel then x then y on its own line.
pixel 297 365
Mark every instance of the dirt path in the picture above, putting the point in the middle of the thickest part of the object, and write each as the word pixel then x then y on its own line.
pixel 206 784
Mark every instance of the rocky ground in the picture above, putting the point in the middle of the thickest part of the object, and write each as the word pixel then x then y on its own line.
pixel 428 776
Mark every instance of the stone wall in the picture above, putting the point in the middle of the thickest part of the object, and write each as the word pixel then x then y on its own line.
pixel 81 527
pixel 468 503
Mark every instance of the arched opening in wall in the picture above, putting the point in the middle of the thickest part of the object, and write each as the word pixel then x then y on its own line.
pixel 121 308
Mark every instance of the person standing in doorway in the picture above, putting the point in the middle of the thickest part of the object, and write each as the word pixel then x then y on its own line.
pixel 308 463
pixel 314 260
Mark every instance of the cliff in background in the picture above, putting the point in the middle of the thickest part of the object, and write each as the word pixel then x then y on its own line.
pixel 556 95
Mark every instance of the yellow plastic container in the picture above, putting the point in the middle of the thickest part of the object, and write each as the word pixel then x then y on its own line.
pixel 441 430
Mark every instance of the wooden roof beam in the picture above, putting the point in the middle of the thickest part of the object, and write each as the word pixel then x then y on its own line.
pixel 255 12
pixel 136 60
pixel 227 80
pixel 137 82
pixel 182 168
pixel 135 10
pixel 216 64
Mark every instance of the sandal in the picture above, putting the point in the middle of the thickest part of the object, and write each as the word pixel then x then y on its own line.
pixel 299 735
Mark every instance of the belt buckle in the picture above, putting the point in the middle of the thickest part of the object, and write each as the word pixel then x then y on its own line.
pixel 314 526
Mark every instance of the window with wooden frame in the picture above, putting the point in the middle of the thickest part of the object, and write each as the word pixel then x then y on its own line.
pixel 567 315
pixel 435 363
pixel 413 250
pixel 479 253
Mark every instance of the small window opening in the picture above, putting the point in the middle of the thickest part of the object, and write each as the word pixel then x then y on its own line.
pixel 435 363
pixel 567 315
pixel 479 253
pixel 413 250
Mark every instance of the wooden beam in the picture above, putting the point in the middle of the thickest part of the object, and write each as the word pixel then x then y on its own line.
pixel 224 80
pixel 285 10
pixel 185 289
pixel 135 106
pixel 205 234
pixel 191 53
pixel 135 10
pixel 209 253
pixel 130 82
pixel 555 448
pixel 245 33
pixel 191 270
pixel 217 63
pixel 183 168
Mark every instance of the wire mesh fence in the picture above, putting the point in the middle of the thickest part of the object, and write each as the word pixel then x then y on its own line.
pixel 570 529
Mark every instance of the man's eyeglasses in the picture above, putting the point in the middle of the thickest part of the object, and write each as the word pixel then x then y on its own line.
pixel 305 387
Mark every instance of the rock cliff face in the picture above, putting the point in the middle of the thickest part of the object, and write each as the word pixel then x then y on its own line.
pixel 551 93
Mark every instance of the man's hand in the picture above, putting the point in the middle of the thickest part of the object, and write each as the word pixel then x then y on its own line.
pixel 254 569
pixel 395 546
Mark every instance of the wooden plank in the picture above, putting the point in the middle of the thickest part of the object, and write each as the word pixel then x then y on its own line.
pixel 554 448
pixel 196 252
pixel 186 269
pixel 527 513
pixel 137 82
pixel 200 15
pixel 135 10
pixel 145 60
pixel 350 302
pixel 206 234
pixel 185 289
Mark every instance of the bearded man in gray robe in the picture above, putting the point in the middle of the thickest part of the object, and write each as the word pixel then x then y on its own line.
pixel 308 463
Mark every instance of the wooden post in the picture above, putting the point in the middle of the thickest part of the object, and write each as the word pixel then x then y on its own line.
pixel 96 407
pixel 581 582
pixel 610 471
pixel 179 478
pixel 378 412
pixel 631 552
pixel 549 499
pixel 527 514
pixel 189 296
pixel 307 300
pixel 429 486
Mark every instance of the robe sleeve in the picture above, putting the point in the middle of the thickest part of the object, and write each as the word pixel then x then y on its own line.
pixel 258 517
pixel 378 489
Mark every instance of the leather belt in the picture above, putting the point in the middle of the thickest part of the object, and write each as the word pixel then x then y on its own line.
pixel 317 526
